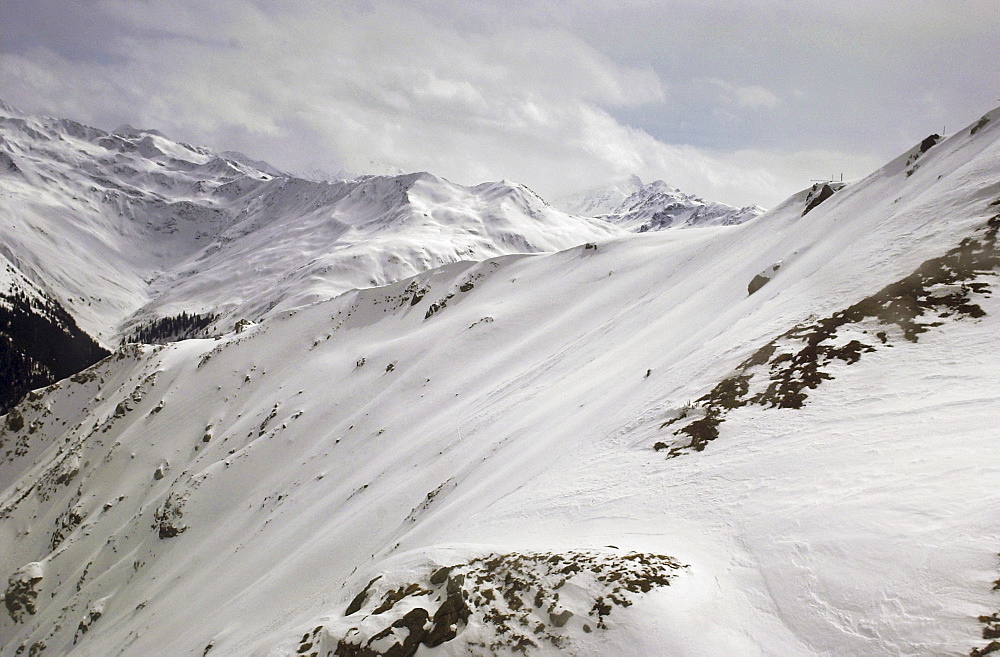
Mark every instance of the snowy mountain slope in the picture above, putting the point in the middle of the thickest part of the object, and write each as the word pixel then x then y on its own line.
pixel 643 207
pixel 129 227
pixel 459 459
pixel 93 218
pixel 361 234
pixel 131 235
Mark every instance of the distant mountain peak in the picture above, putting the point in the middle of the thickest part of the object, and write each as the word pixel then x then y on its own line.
pixel 601 200
pixel 245 160
pixel 127 130
pixel 657 205
pixel 10 109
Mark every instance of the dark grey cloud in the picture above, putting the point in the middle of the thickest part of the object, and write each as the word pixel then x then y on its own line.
pixel 739 101
pixel 76 30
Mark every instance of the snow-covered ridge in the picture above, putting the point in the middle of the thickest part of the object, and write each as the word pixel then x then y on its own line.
pixel 466 461
pixel 642 207
pixel 126 227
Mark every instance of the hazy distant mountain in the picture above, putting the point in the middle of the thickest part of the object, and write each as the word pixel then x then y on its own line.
pixel 602 200
pixel 655 206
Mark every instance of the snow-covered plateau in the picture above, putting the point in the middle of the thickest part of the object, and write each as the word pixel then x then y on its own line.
pixel 772 438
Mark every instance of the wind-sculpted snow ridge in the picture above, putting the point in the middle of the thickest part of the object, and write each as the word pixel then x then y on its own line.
pixel 780 374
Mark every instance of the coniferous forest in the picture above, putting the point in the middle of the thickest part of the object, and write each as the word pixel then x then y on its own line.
pixel 39 344
pixel 169 329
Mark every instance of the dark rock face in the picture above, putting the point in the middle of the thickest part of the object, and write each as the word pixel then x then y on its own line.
pixel 515 596
pixel 925 145
pixel 756 283
pixel 167 518
pixel 991 631
pixel 817 195
pixel 359 601
pixel 21 593
pixel 441 303
pixel 940 290
pixel 763 278
pixel 447 619
pixel 40 344
pixel 929 141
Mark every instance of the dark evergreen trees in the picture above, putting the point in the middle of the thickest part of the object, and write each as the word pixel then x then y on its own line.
pixel 169 329
pixel 40 344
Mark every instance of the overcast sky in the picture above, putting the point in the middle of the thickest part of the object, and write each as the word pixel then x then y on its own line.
pixel 742 102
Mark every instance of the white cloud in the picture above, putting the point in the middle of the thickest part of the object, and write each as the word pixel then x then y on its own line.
pixel 470 91
pixel 388 85
pixel 749 96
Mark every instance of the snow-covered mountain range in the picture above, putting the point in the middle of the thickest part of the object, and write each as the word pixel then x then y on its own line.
pixel 642 207
pixel 177 227
pixel 773 438
pixel 133 234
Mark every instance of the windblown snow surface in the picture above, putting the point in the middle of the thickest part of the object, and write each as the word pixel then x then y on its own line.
pixel 615 449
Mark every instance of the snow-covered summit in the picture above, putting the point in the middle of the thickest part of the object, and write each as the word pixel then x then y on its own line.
pixel 643 207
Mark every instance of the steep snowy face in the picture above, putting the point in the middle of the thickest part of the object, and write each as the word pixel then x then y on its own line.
pixel 127 228
pixel 619 448
pixel 655 206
